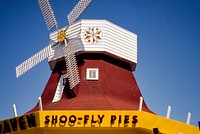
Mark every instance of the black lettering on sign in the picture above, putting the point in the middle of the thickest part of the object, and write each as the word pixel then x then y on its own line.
pixel 112 120
pixel 54 119
pixel 31 120
pixel 47 120
pixel 134 120
pixel 100 118
pixel 72 120
pixel 13 123
pixel 86 118
pixel 6 127
pixel 79 120
pixel 19 123
pixel 93 121
pixel 1 127
pixel 22 123
pixel 63 119
pixel 120 119
pixel 126 120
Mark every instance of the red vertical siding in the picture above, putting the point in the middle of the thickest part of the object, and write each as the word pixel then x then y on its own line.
pixel 116 88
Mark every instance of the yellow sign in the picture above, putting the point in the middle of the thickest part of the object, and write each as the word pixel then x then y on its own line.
pixel 88 119
pixel 92 119
pixel 69 119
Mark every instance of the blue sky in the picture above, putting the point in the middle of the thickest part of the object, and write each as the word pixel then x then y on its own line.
pixel 168 50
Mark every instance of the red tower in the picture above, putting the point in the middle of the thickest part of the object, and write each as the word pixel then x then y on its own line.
pixel 106 57
pixel 110 86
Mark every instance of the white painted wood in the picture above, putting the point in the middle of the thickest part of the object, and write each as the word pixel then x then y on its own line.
pixel 59 89
pixel 40 104
pixel 140 104
pixel 168 112
pixel 188 118
pixel 115 41
pixel 71 64
pixel 33 60
pixel 47 13
pixel 92 74
pixel 14 110
pixel 77 10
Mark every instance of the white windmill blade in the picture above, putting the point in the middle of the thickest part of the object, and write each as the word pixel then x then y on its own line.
pixel 72 69
pixel 48 14
pixel 33 61
pixel 78 9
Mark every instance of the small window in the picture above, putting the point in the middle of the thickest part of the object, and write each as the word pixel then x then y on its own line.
pixel 92 74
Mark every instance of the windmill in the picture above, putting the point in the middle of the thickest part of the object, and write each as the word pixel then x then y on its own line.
pixel 69 54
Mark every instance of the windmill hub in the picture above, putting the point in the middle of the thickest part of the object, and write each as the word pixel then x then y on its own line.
pixel 61 36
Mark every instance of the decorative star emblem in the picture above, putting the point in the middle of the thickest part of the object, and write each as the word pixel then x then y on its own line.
pixel 93 35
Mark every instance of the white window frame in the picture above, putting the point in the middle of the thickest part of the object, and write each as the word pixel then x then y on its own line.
pixel 88 71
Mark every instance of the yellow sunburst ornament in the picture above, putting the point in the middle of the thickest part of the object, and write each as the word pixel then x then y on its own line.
pixel 61 36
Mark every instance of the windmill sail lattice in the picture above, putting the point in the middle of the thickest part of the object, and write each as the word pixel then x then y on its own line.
pixel 69 54
pixel 70 60
pixel 78 9
pixel 48 14
pixel 33 61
